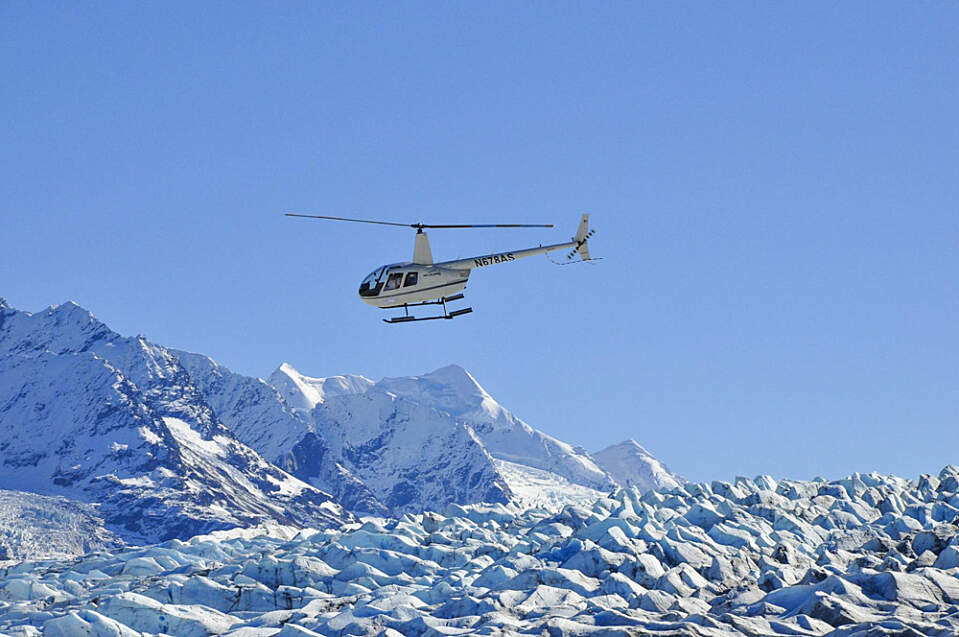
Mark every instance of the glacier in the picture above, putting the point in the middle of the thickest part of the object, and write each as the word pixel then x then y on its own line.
pixel 868 554
pixel 34 526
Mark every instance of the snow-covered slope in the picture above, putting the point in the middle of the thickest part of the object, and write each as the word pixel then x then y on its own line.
pixel 412 457
pixel 452 399
pixel 249 407
pixel 268 422
pixel 536 488
pixel 311 460
pixel 452 389
pixel 541 468
pixel 632 466
pixel 101 418
pixel 866 555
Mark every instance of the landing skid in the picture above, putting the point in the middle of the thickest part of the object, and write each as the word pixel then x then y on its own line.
pixel 445 315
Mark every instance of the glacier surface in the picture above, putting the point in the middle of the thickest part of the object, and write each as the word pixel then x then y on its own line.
pixel 866 555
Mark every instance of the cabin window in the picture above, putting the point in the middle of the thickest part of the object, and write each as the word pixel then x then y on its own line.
pixel 411 279
pixel 394 281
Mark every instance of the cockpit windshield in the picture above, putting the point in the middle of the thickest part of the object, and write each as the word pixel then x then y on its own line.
pixel 373 282
pixel 374 275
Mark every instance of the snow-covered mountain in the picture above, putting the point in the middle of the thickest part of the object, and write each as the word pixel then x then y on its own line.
pixel 96 417
pixel 632 466
pixel 412 457
pixel 530 466
pixel 452 389
pixel 171 443
pixel 280 430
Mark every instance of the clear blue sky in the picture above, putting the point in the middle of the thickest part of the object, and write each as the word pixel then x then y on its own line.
pixel 775 190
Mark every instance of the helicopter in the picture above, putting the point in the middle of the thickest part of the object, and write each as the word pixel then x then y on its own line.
pixel 423 282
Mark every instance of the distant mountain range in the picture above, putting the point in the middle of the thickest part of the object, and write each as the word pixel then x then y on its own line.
pixel 167 444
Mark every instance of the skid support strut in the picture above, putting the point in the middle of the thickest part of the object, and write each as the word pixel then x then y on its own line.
pixel 406 318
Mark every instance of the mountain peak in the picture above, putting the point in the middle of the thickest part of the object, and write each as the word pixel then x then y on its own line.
pixel 632 445
pixel 457 378
pixel 58 328
pixel 451 389
pixel 303 392
pixel 69 307
pixel 631 465
pixel 4 305
pixel 72 312
pixel 286 374
pixel 452 368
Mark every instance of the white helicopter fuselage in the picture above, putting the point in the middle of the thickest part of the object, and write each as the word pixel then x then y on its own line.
pixel 399 284
pixel 421 280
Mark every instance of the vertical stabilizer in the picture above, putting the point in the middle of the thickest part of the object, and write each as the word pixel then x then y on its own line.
pixel 583 229
pixel 583 233
pixel 421 249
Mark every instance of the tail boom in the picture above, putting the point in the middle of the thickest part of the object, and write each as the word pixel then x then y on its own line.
pixel 501 257
pixel 578 245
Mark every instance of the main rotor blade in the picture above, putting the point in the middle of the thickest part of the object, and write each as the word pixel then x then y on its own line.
pixel 382 223
pixel 487 225
pixel 426 225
